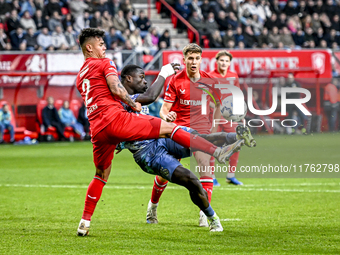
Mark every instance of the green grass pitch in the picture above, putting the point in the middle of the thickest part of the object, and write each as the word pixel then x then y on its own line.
pixel 42 192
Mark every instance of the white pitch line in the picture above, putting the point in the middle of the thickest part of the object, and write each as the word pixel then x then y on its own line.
pixel 230 219
pixel 173 187
pixel 293 184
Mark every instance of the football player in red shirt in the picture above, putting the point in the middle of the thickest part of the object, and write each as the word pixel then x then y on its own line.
pixel 223 60
pixel 102 92
pixel 182 106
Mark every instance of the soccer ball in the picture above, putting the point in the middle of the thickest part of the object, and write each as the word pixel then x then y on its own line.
pixel 227 110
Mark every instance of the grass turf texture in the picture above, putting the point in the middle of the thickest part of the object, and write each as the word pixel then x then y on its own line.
pixel 42 191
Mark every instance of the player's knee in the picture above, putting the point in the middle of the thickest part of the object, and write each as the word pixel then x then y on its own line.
pixel 103 173
pixel 166 129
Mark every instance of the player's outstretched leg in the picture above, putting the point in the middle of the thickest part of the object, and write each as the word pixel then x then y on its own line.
pixel 244 133
pixel 93 194
pixel 198 195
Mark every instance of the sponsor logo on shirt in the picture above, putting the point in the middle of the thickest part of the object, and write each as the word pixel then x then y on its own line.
pixel 182 91
pixel 190 102
pixel 112 63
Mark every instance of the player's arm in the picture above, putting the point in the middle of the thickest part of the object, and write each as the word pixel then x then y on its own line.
pixel 165 113
pixel 118 89
pixel 155 89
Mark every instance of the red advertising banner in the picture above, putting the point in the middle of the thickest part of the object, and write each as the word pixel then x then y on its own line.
pixel 22 62
pixel 246 61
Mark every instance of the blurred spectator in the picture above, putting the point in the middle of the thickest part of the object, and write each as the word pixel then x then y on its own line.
pixel 136 40
pixel 143 23
pixel 323 44
pixel 77 8
pixel 50 118
pixel 15 5
pixel 39 20
pixel 27 22
pixel 318 36
pixel 336 23
pixel 114 36
pixel 4 42
pixel 91 8
pixel 263 10
pixel 151 40
pixel 249 37
pixel 215 39
pixel 44 39
pixel 54 21
pixel 272 22
pixel 51 7
pixel 29 6
pixel 59 40
pixel 275 7
pixel 81 22
pixel 316 24
pixel 5 123
pixel 274 38
pixel 210 23
pixel 71 38
pixel 13 21
pixel 127 45
pixel 165 37
pixel 113 7
pixel 222 21
pixel 119 21
pixel 232 21
pixel 183 9
pixel 229 36
pixel 319 7
pixel 161 46
pixel 239 35
pixel 195 6
pixel 131 23
pixel 206 8
pixel 220 5
pixel 249 8
pixel 282 21
pixel 331 103
pixel 299 38
pixel 286 38
pixel 96 21
pixel 102 5
pixel 333 38
pixel 107 21
pixel 69 120
pixel 197 22
pixel 5 9
pixel 31 40
pixel 256 25
pixel 325 23
pixel 17 40
pixel 68 20
pixel 233 7
pixel 126 7
pixel 126 34
pixel 83 120
pixel 302 10
pixel 290 8
pixel 263 38
pixel 39 4
pixel 240 45
pixel 310 6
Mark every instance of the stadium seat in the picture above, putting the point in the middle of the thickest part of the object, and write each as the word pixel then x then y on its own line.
pixel 190 35
pixel 158 6
pixel 19 132
pixel 147 58
pixel 39 124
pixel 173 20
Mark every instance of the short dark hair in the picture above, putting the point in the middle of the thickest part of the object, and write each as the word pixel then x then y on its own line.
pixel 128 70
pixel 88 33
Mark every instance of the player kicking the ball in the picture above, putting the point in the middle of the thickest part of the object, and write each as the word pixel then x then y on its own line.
pixel 160 156
pixel 102 92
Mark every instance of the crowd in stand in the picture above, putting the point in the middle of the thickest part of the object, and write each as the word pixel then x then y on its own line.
pixel 264 24
pixel 54 25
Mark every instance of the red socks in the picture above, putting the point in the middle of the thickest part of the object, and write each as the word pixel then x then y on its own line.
pixel 208 185
pixel 194 142
pixel 94 191
pixel 158 188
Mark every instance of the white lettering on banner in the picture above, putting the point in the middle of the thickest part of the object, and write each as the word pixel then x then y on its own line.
pixel 5 65
pixel 16 79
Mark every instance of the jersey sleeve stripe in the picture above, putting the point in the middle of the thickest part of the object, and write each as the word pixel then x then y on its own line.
pixel 167 100
pixel 110 74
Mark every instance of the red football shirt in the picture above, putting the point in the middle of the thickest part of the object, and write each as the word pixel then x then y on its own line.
pixel 101 104
pixel 186 97
pixel 225 92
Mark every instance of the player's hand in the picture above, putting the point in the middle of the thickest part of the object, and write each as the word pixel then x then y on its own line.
pixel 176 66
pixel 137 108
pixel 171 117
pixel 168 70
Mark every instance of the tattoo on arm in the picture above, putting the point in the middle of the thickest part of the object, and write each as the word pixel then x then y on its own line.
pixel 118 89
